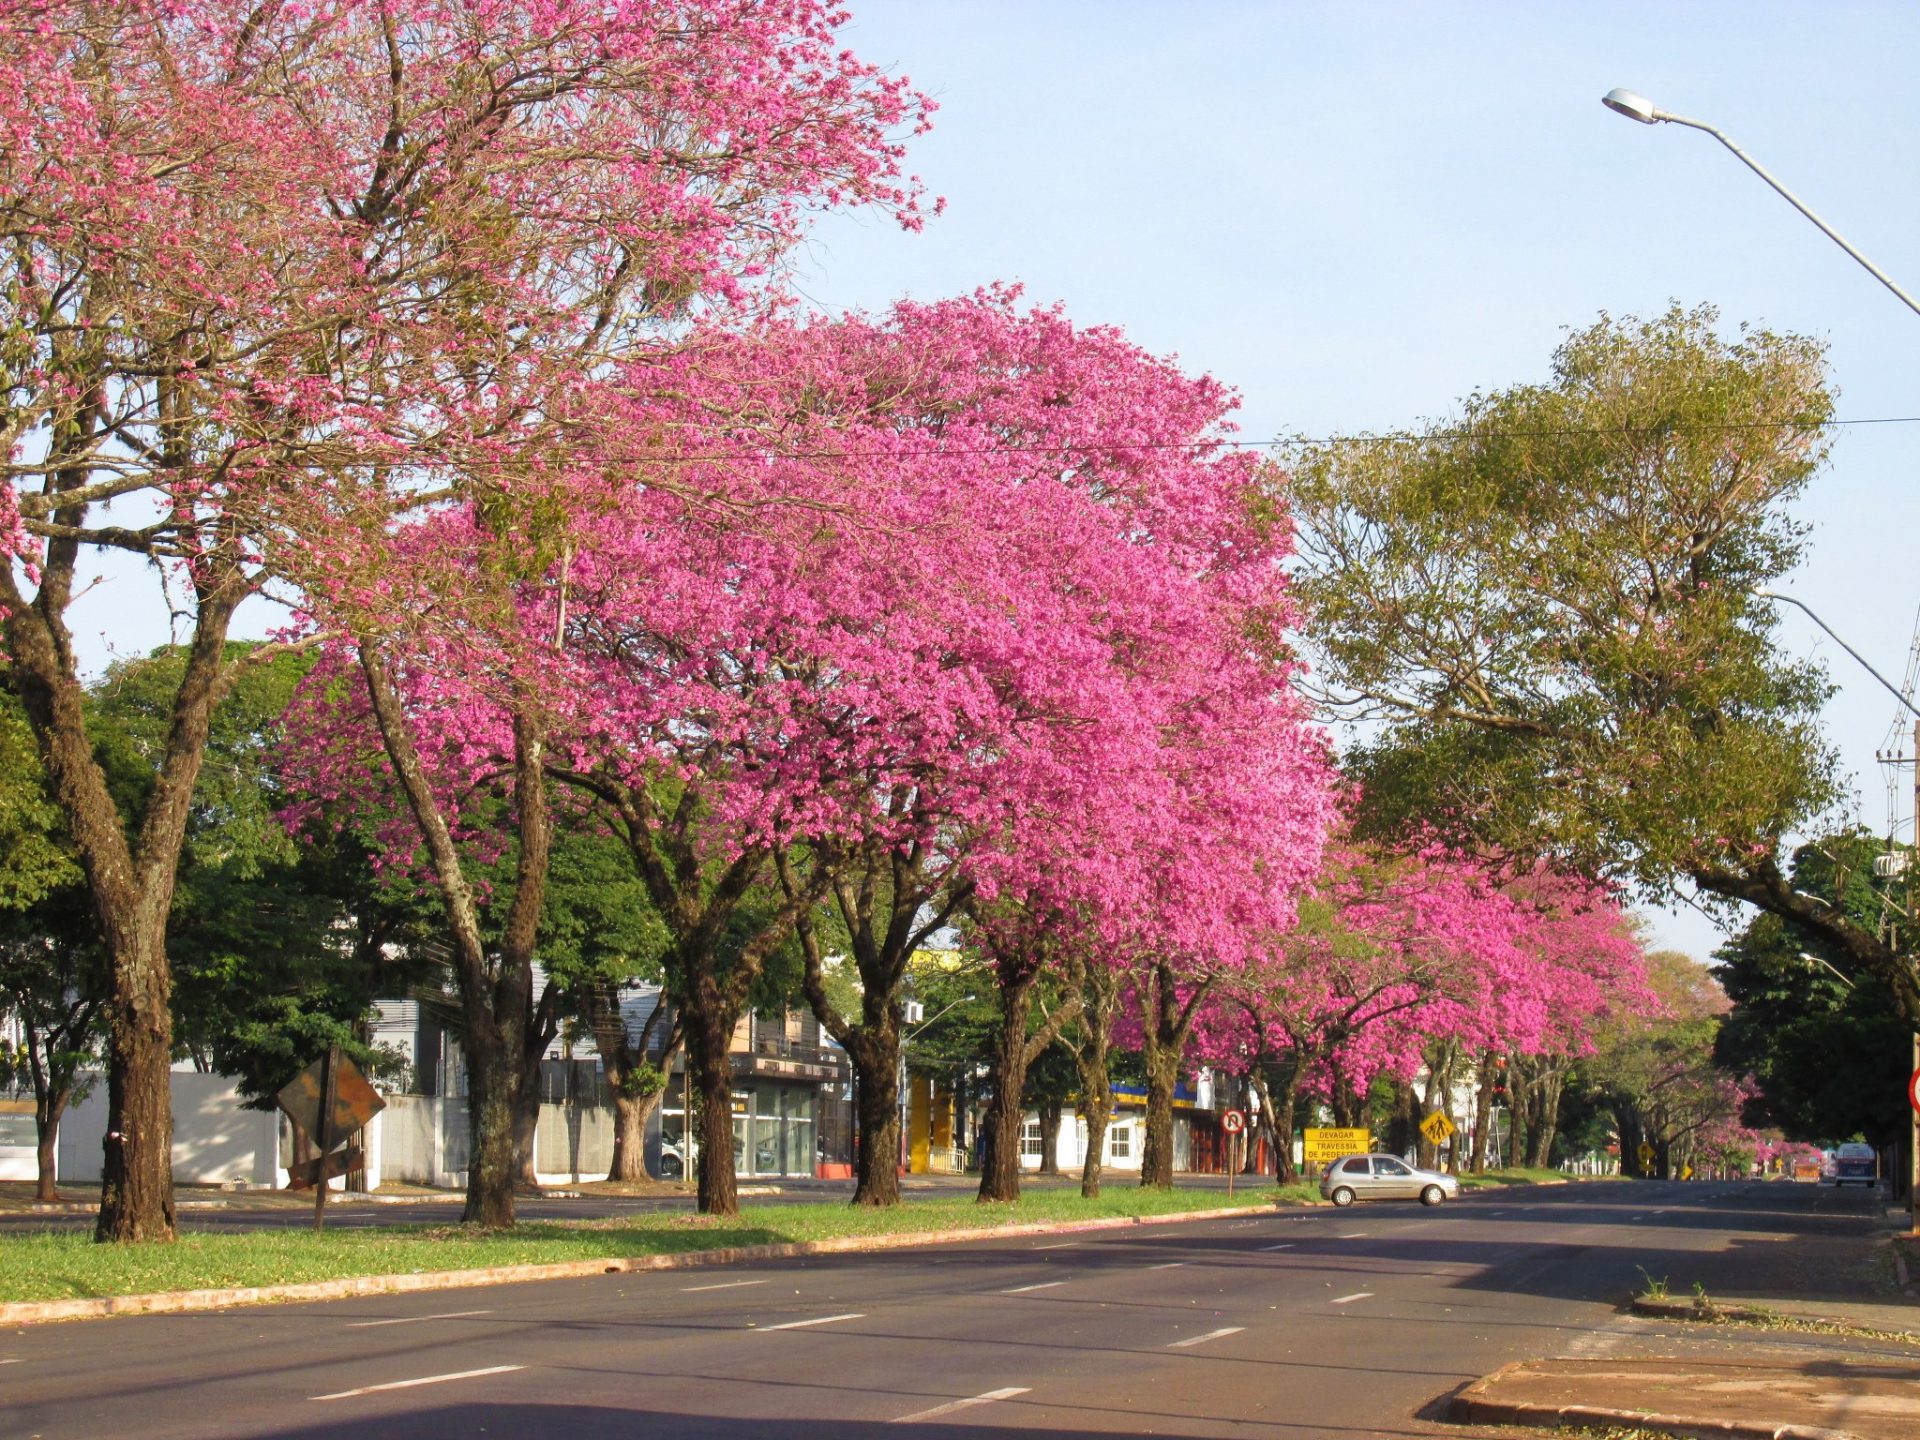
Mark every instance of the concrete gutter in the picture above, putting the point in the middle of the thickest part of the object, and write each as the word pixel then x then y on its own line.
pixel 1739 1312
pixel 176 1302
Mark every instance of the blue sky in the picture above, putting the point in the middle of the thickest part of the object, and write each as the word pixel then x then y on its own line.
pixel 1356 213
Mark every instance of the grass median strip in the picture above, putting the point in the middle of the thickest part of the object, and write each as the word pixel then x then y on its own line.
pixel 62 1266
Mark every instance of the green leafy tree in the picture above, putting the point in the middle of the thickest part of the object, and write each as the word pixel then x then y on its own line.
pixel 1653 1071
pixel 279 944
pixel 1825 1047
pixel 1546 607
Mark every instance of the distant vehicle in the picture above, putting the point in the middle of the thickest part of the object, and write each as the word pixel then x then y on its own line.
pixel 1384 1177
pixel 671 1166
pixel 1855 1164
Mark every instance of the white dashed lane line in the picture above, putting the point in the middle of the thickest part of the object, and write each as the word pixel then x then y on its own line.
pixel 1357 1295
pixel 728 1285
pixel 1024 1289
pixel 1287 1246
pixel 423 1380
pixel 1062 1245
pixel 952 1405
pixel 820 1320
pixel 1210 1335
pixel 1170 1265
pixel 416 1319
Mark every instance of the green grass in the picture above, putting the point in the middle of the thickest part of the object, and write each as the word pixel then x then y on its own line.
pixel 1520 1175
pixel 59 1266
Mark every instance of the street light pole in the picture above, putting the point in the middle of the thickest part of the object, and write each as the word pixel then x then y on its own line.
pixel 1638 107
pixel 1913 1134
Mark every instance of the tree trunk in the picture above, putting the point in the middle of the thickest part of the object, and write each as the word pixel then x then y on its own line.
pixel 1626 1121
pixel 1547 1123
pixel 1156 1160
pixel 630 1113
pixel 1052 1111
pixel 496 991
pixel 1000 1164
pixel 1096 1108
pixel 1166 1024
pixel 526 1128
pixel 1285 1100
pixel 136 1175
pixel 1403 1130
pixel 877 1111
pixel 46 1118
pixel 130 868
pixel 709 1039
pixel 1483 1116
pixel 491 1163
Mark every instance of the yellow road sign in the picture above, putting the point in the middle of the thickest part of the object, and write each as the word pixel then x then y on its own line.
pixel 1320 1146
pixel 1646 1153
pixel 1437 1127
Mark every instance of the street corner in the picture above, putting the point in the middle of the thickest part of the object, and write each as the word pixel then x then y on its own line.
pixel 1750 1398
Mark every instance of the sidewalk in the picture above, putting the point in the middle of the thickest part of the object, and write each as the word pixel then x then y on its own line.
pixel 1814 1340
pixel 1758 1398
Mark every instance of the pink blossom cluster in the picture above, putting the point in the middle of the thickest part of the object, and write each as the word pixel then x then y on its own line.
pixel 962 579
pixel 1397 951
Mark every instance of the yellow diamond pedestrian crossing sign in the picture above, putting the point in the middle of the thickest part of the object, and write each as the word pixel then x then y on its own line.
pixel 1437 1127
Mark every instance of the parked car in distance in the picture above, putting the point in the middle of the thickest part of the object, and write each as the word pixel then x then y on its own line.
pixel 1855 1164
pixel 1384 1177
pixel 672 1167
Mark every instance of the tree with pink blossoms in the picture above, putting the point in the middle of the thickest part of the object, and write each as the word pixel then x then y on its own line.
pixel 989 560
pixel 1397 956
pixel 273 273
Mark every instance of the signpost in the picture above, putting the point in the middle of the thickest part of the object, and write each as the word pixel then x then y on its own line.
pixel 328 1102
pixel 1646 1153
pixel 1437 1128
pixel 1233 1122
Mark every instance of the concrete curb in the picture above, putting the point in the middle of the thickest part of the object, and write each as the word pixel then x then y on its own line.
pixel 177 1302
pixel 1750 1314
pixel 1472 1406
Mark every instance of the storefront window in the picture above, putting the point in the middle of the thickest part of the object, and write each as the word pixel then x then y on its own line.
pixel 796 1109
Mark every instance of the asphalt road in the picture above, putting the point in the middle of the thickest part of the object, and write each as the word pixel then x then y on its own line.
pixel 1316 1323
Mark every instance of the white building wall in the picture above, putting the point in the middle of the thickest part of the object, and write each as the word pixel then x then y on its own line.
pixel 215 1141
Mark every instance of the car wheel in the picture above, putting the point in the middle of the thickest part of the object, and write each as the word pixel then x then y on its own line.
pixel 1342 1197
pixel 1432 1195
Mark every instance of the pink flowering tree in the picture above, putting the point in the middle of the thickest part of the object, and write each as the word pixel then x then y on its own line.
pixel 272 274
pixel 988 562
pixel 1401 959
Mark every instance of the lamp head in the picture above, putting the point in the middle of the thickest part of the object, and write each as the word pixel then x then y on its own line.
pixel 1634 107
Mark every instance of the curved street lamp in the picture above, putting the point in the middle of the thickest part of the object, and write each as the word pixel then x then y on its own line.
pixel 1638 107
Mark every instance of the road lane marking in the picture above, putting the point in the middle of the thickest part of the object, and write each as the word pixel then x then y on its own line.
pixel 1210 1335
pixel 416 1319
pixel 1287 1246
pixel 1357 1295
pixel 1170 1265
pixel 729 1285
pixel 1355 1235
pixel 1023 1289
pixel 822 1320
pixel 952 1405
pixel 1063 1245
pixel 13 1360
pixel 423 1380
